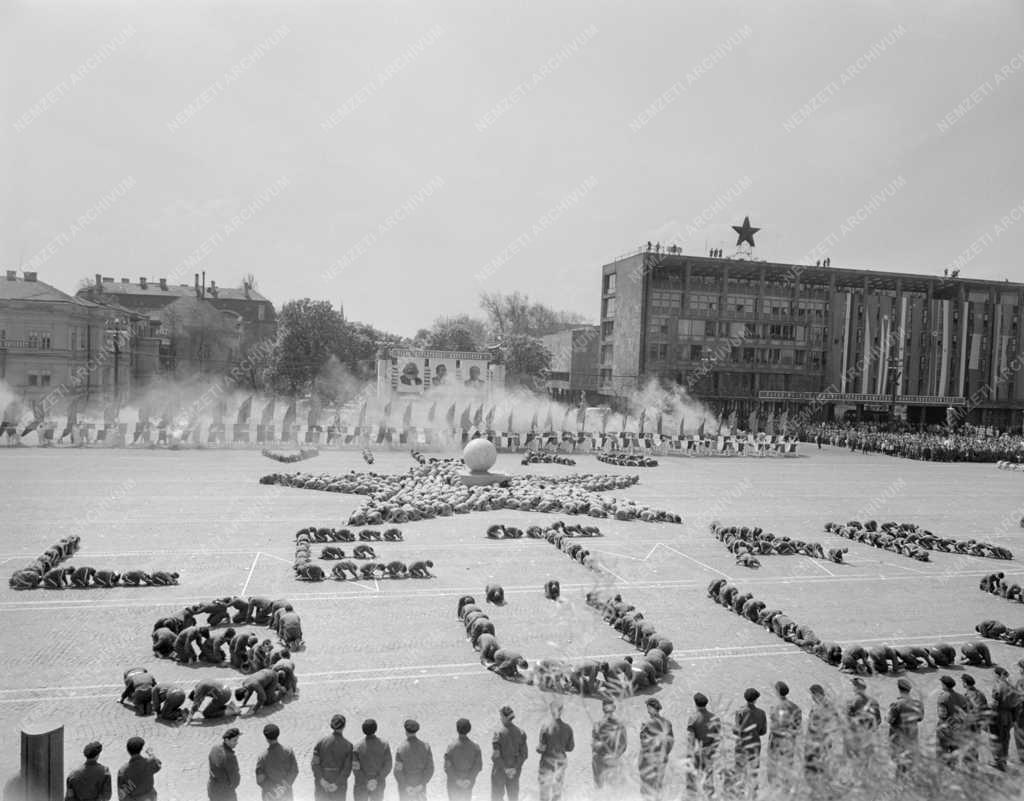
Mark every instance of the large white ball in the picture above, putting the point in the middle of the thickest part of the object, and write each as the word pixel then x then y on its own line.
pixel 479 455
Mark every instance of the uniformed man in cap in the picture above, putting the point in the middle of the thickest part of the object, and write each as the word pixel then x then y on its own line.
pixel 656 742
pixel 704 733
pixel 786 723
pixel 222 783
pixel 608 744
pixel 91 781
pixel 977 720
pixel 135 777
pixel 554 743
pixel 414 765
pixel 371 763
pixel 508 753
pixel 863 719
pixel 749 726
pixel 332 763
pixel 1006 706
pixel 822 725
pixel 952 712
pixel 463 762
pixel 276 768
pixel 905 716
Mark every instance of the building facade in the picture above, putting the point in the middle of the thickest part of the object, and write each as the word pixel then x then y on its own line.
pixel 743 335
pixel 55 347
pixel 201 327
pixel 574 363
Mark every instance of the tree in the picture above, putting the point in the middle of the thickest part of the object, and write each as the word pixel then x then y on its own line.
pixel 309 332
pixel 525 358
pixel 456 333
pixel 515 314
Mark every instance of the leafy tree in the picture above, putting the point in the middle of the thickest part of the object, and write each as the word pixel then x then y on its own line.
pixel 525 357
pixel 457 333
pixel 309 332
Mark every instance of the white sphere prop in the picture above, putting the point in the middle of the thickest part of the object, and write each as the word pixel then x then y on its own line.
pixel 479 455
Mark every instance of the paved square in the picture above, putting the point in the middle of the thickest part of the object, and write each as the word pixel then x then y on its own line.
pixel 394 649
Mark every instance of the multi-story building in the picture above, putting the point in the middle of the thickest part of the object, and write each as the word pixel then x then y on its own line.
pixel 55 346
pixel 743 334
pixel 574 362
pixel 202 327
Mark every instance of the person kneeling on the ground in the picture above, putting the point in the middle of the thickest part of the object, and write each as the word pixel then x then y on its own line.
pixel 263 684
pixel 495 594
pixel 420 569
pixel 138 687
pixel 508 663
pixel 552 589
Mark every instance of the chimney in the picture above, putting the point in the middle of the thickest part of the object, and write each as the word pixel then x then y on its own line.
pixel 125 281
pixel 12 275
pixel 213 288
pixel 163 284
pixel 245 288
pixel 107 279
pixel 197 285
pixel 30 276
pixel 203 285
pixel 143 283
pixel 99 282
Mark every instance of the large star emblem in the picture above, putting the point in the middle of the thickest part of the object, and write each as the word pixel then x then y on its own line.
pixel 746 232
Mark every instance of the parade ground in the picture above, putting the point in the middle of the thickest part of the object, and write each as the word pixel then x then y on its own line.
pixel 393 649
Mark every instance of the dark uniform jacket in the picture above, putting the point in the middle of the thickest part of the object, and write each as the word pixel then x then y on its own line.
pixel 372 760
pixel 608 739
pixel 224 775
pixel 135 778
pixel 706 730
pixel 904 716
pixel 510 751
pixel 414 763
pixel 276 770
pixel 750 726
pixel 332 759
pixel 463 760
pixel 90 782
pixel 555 741
pixel 656 742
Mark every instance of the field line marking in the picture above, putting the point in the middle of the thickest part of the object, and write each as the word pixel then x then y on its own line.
pixel 818 564
pixel 697 561
pixel 252 568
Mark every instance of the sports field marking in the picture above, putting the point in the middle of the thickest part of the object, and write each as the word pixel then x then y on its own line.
pixel 252 568
pixel 697 561
pixel 819 565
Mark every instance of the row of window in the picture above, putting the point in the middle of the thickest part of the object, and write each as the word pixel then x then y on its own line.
pixel 735 355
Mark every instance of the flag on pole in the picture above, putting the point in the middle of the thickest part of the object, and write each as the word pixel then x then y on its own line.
pixel 387 410
pixel 682 426
pixel 643 419
pixel 549 423
pixel 219 410
pixel 478 416
pixel 432 412
pixel 489 419
pixel 605 416
pixel 450 416
pixel 533 422
pixel 732 423
pixel 700 429
pixel 466 422
pixel 565 418
pixel 622 424
pixel 244 411
pixel 660 421
pixel 313 417
pixel 721 422
pixel 362 414
pixel 752 422
pixel 769 426
pixel 72 417
pixel 407 416
pixel 784 422
pixel 289 418
pixel 581 418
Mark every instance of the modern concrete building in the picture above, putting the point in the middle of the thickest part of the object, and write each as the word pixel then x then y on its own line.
pixel 55 346
pixel 744 334
pixel 575 353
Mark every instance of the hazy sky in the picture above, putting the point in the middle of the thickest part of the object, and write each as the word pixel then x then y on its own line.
pixel 339 113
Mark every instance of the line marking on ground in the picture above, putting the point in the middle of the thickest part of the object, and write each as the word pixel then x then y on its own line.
pixel 605 569
pixel 912 569
pixel 819 564
pixel 245 586
pixel 697 561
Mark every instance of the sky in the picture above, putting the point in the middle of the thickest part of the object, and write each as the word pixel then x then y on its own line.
pixel 402 158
